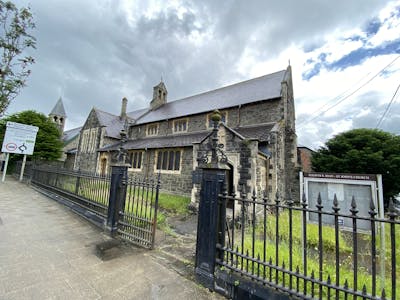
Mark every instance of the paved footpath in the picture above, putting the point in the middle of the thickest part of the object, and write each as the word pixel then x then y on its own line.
pixel 48 252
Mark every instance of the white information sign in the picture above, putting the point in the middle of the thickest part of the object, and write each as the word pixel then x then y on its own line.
pixel 364 187
pixel 19 138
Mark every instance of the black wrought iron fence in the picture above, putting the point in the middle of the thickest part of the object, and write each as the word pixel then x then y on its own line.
pixel 88 190
pixel 274 244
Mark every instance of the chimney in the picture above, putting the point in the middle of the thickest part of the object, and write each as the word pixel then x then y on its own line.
pixel 123 108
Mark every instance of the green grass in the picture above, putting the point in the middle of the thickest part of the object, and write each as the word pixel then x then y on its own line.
pixel 297 261
pixel 328 243
pixel 328 233
pixel 174 203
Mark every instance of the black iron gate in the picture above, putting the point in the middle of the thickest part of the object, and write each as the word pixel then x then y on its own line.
pixel 138 217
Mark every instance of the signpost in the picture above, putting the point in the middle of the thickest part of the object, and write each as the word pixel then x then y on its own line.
pixel 20 139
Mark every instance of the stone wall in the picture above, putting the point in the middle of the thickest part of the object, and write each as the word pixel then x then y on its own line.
pixel 255 113
pixel 290 140
pixel 175 182
pixel 243 160
pixel 87 156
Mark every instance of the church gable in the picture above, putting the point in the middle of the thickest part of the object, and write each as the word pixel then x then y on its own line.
pixel 92 120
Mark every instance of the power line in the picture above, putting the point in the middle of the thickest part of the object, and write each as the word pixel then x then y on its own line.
pixel 333 99
pixel 387 107
pixel 351 94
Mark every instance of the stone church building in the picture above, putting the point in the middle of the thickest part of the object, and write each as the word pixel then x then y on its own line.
pixel 257 130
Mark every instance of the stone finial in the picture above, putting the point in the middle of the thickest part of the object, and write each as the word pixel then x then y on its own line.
pixel 216 116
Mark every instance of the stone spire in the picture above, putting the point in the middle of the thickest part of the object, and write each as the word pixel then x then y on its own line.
pixel 58 115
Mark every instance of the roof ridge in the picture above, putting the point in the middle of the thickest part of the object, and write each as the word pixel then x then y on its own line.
pixel 105 112
pixel 228 86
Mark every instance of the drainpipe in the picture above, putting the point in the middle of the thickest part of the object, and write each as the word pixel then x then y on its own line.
pixel 239 107
pixel 147 163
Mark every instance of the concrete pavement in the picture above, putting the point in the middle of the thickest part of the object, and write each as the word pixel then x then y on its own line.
pixel 48 252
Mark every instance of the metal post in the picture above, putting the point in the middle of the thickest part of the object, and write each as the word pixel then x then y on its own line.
pixel 5 167
pixel 381 214
pixel 119 174
pixel 211 221
pixel 207 227
pixel 21 175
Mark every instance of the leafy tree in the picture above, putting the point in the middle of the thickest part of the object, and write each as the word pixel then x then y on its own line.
pixel 368 151
pixel 14 40
pixel 48 145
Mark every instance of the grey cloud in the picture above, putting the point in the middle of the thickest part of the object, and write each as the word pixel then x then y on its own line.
pixel 277 24
pixel 91 55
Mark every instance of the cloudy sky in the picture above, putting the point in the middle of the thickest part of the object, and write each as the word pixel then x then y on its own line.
pixel 344 56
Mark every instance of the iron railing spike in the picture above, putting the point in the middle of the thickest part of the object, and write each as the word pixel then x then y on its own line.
pixel 335 201
pixel 383 295
pixel 304 199
pixel 335 206
pixel 372 205
pixel 277 197
pixel 346 284
pixel 353 202
pixel 353 208
pixel 319 199
pixel 364 290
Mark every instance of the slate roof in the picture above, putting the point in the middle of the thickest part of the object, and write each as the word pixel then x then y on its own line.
pixel 58 109
pixel 171 141
pixel 70 134
pixel 112 123
pixel 259 132
pixel 134 115
pixel 266 87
